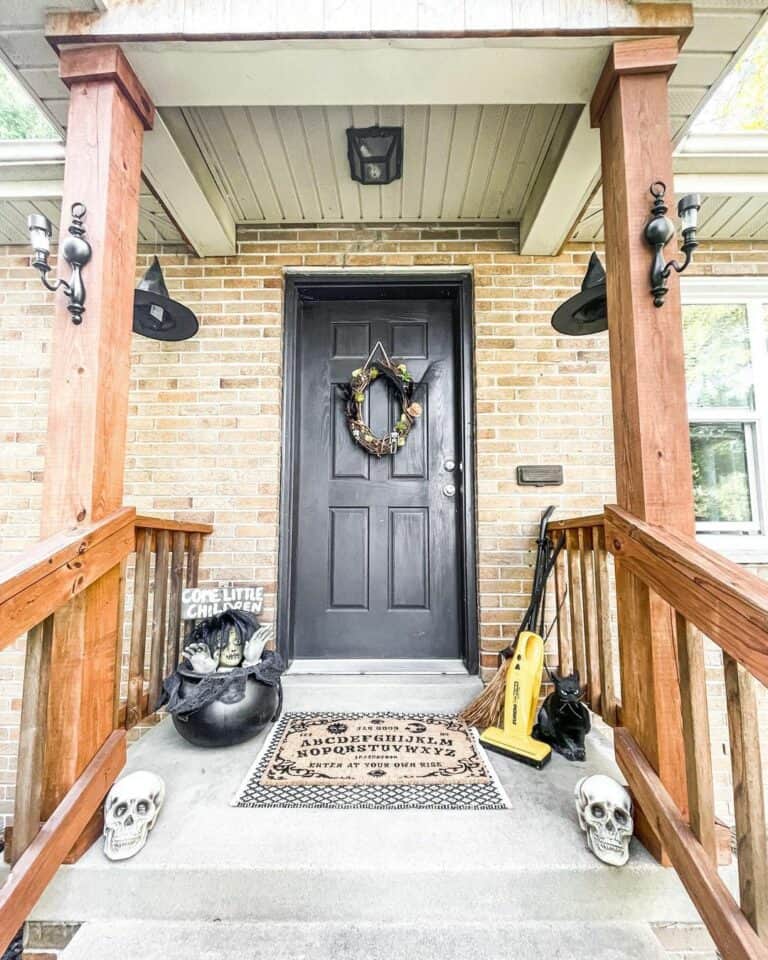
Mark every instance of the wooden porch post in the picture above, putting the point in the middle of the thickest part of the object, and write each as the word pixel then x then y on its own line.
pixel 653 461
pixel 87 412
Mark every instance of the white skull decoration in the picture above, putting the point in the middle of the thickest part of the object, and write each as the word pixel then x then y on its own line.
pixel 605 814
pixel 130 812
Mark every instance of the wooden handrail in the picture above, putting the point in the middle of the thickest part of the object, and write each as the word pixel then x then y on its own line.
pixel 38 560
pixel 182 526
pixel 574 523
pixel 727 603
pixel 31 874
pixel 58 568
pixel 727 925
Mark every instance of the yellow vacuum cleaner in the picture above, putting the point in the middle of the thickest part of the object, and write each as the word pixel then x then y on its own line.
pixel 523 681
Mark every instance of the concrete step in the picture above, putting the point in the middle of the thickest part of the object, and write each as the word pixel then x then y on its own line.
pixel 211 862
pixel 491 940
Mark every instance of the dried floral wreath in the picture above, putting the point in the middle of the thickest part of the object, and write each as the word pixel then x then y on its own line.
pixel 398 378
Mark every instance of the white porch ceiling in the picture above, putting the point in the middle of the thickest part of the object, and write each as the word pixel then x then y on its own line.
pixel 723 216
pixel 154 224
pixel 253 127
pixel 289 164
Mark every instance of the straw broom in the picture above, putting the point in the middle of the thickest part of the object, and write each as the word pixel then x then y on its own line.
pixel 487 710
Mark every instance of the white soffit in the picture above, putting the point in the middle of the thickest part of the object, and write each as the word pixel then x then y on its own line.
pixel 289 164
pixel 734 207
pixel 36 186
pixel 462 77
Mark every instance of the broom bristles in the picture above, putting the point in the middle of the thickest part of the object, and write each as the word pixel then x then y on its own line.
pixel 487 709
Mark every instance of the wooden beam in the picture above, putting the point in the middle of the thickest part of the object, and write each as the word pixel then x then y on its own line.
pixel 566 181
pixel 727 925
pixel 186 189
pixel 34 870
pixel 650 416
pixel 90 371
pixel 273 20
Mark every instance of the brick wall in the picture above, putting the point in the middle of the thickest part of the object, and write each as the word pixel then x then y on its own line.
pixel 540 398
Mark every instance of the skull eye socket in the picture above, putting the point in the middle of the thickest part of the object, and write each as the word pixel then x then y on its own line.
pixel 619 816
pixel 142 807
pixel 598 811
pixel 121 809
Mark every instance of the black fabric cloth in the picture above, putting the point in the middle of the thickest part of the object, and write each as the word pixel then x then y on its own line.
pixel 229 687
pixel 214 631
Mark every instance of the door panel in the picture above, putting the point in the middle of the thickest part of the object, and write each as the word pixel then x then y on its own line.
pixel 376 564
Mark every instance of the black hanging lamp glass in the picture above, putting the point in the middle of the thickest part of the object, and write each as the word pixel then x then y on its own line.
pixel 375 154
pixel 587 312
pixel 155 314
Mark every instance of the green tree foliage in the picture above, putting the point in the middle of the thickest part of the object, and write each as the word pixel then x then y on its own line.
pixel 741 103
pixel 718 365
pixel 20 119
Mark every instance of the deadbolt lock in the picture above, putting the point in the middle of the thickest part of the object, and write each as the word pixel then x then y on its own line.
pixel 449 465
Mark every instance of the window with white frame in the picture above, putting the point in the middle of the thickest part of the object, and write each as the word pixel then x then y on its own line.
pixel 725 326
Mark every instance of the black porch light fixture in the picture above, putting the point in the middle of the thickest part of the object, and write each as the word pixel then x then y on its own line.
pixel 659 231
pixel 75 249
pixel 155 314
pixel 375 154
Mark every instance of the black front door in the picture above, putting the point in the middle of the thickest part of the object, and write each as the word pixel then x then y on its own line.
pixel 376 546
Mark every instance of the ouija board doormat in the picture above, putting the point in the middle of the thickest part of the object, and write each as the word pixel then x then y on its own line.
pixel 376 760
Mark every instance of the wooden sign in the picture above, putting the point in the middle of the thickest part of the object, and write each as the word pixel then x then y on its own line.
pixel 198 602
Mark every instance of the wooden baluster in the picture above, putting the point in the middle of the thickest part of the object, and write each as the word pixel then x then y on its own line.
pixel 134 706
pixel 576 603
pixel 696 737
pixel 159 615
pixel 586 571
pixel 34 709
pixel 748 799
pixel 174 604
pixel 564 652
pixel 119 645
pixel 193 570
pixel 604 639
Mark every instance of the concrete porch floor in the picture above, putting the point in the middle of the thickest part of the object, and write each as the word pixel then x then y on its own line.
pixel 337 870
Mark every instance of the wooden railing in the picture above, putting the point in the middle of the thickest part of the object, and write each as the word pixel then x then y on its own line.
pixel 711 597
pixel 167 559
pixel 584 627
pixel 32 590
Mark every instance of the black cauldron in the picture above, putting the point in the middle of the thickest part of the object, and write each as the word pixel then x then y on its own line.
pixel 228 720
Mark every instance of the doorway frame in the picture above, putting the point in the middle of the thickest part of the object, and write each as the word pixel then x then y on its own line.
pixel 351 284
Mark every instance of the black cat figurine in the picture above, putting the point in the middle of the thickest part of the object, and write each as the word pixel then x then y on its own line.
pixel 563 721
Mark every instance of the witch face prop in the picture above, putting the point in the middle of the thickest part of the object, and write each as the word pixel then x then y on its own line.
pixel 219 642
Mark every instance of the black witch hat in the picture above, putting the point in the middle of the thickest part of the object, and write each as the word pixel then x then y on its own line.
pixel 155 315
pixel 586 312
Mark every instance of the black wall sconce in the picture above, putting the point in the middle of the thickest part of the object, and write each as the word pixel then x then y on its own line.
pixel 75 249
pixel 659 231
pixel 375 154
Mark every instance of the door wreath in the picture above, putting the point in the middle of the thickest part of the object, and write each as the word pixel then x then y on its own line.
pixel 401 382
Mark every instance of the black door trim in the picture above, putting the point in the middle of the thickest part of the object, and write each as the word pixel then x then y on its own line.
pixel 343 285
